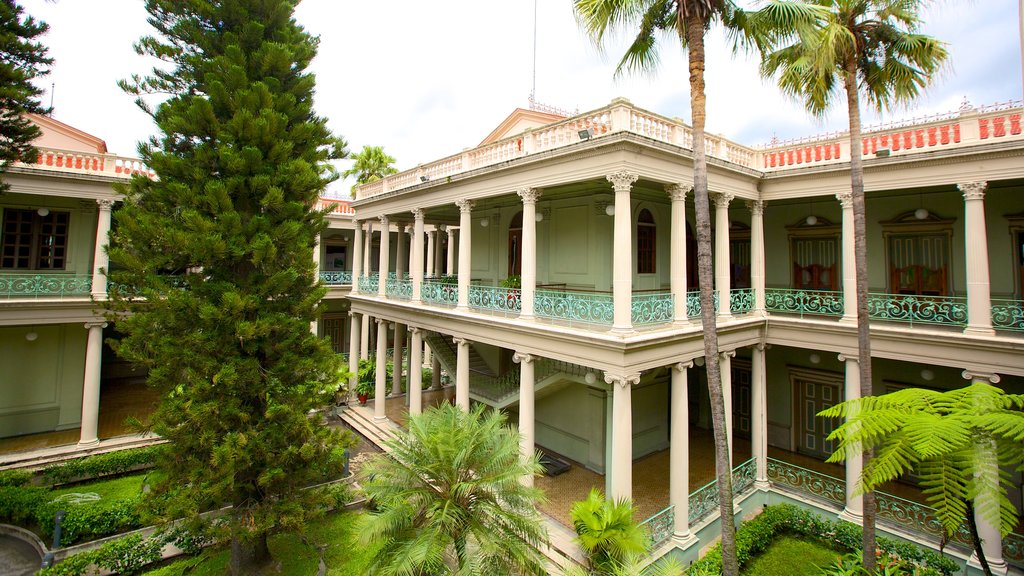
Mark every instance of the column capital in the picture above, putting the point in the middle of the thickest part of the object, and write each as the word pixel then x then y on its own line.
pixel 417 214
pixel 529 195
pixel 622 181
pixel 727 353
pixel 522 357
pixel 623 381
pixel 465 206
pixel 677 192
pixel 970 374
pixel 973 190
pixel 105 203
pixel 96 324
pixel 383 221
pixel 460 341
pixel 442 228
pixel 756 207
pixel 845 200
pixel 380 321
pixel 413 329
pixel 682 366
pixel 848 358
pixel 722 199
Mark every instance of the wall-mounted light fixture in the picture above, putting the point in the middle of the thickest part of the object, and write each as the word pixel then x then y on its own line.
pixel 610 209
pixel 815 359
pixel 484 222
pixel 927 375
pixel 539 217
pixel 699 361
pixel 586 134
pixel 590 378
pixel 424 178
pixel 44 212
pixel 31 336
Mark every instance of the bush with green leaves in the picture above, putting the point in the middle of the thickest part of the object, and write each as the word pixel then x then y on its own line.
pixel 606 531
pixel 88 521
pixel 19 504
pixel 101 465
pixel 126 556
pixel 15 477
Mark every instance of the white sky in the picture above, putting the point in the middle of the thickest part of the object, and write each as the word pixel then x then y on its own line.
pixel 428 79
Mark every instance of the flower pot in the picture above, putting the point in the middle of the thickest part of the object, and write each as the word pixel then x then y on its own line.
pixel 362 398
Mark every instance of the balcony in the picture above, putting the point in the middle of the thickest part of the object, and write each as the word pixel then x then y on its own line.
pixel 336 277
pixel 89 163
pixel 52 285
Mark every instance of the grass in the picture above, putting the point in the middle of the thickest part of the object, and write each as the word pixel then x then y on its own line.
pixel 334 533
pixel 790 556
pixel 108 490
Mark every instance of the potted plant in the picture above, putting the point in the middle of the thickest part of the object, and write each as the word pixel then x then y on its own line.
pixel 514 285
pixel 367 380
pixel 364 390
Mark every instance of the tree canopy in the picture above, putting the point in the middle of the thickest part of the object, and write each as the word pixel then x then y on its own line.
pixel 371 164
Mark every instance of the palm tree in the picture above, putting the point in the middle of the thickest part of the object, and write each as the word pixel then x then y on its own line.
pixel 822 49
pixel 688 20
pixel 371 164
pixel 606 531
pixel 954 441
pixel 449 499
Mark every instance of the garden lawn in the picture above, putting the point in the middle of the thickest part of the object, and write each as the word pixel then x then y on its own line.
pixel 108 490
pixel 790 556
pixel 334 533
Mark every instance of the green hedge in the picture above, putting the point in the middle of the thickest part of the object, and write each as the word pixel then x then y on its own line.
pixel 128 555
pixel 101 464
pixel 15 477
pixel 18 504
pixel 90 521
pixel 755 536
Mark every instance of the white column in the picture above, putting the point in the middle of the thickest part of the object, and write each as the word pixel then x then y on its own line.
pixel 398 351
pixel 465 246
pixel 759 415
pixel 401 251
pixel 381 374
pixel 979 297
pixel 677 252
pixel 723 280
pixel 416 269
pixel 450 252
pixel 431 239
pixel 526 405
pixel 415 380
pixel 357 256
pixel 725 366
pixel 622 257
pixel 100 259
pixel 757 263
pixel 985 450
pixel 849 262
pixel 679 457
pixel 364 337
pixel 854 510
pixel 462 374
pixel 384 257
pixel 620 470
pixel 91 384
pixel 353 350
pixel 367 248
pixel 529 263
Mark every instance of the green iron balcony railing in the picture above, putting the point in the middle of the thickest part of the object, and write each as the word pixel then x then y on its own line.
pixel 945 310
pixel 652 308
pixel 44 285
pixel 1007 314
pixel 336 277
pixel 495 299
pixel 693 307
pixel 741 300
pixel 575 307
pixel 444 293
pixel 804 302
pixel 398 289
pixel 815 484
pixel 369 284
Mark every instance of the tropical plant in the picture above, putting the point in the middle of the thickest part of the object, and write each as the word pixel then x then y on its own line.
pixel 449 499
pixel 954 441
pixel 606 531
pixel 823 49
pixel 514 281
pixel 371 163
pixel 24 60
pixel 218 246
pixel 686 21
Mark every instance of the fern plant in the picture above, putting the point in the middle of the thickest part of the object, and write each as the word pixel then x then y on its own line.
pixel 955 441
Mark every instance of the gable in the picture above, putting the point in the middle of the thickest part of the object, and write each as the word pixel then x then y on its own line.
pixel 56 134
pixel 519 120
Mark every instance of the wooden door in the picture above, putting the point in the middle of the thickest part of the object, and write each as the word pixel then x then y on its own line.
pixel 741 379
pixel 812 396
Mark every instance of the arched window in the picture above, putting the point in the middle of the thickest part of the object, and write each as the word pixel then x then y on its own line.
pixel 646 235
pixel 515 245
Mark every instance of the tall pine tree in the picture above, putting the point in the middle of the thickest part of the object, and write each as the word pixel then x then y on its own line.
pixel 24 59
pixel 213 261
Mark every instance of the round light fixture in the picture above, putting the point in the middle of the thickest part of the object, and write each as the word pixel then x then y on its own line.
pixel 815 359
pixel 539 217
pixel 927 375
pixel 610 210
pixel 699 361
pixel 44 212
pixel 921 213
pixel 31 336
pixel 484 223
pixel 590 378
pixel 812 220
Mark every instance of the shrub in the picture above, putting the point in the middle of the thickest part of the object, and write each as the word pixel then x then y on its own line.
pixel 189 539
pixel 84 521
pixel 15 477
pixel 128 555
pixel 101 464
pixel 18 504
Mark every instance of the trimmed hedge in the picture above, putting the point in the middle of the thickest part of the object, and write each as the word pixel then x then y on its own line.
pixel 754 537
pixel 90 521
pixel 128 555
pixel 15 477
pixel 101 464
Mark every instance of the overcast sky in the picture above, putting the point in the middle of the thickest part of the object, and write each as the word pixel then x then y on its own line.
pixel 428 79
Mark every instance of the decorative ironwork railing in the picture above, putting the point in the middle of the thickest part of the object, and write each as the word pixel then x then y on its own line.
pixel 496 298
pixel 443 293
pixel 578 307
pixel 652 308
pixel 809 482
pixel 693 303
pixel 399 289
pixel 743 476
pixel 1007 314
pixel 803 302
pixel 1013 549
pixel 704 500
pixel 369 284
pixel 916 517
pixel 660 527
pixel 741 300
pixel 44 285
pixel 336 277
pixel 946 310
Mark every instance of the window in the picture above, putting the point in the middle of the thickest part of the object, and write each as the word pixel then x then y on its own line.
pixel 917 253
pixel 814 253
pixel 34 242
pixel 515 245
pixel 646 242
pixel 336 257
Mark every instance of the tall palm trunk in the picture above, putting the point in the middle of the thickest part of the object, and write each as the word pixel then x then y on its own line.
pixel 723 464
pixel 860 258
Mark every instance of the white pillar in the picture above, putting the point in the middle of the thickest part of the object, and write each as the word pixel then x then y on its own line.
pixel 415 381
pixel 100 259
pixel 723 280
pixel 364 337
pixel 679 457
pixel 91 385
pixel 677 253
pixel 528 280
pixel 353 350
pixel 849 262
pixel 381 374
pixel 979 297
pixel 465 246
pixel 398 355
pixel 367 248
pixel 620 470
pixel 450 252
pixel 384 257
pixel 759 413
pixel 431 238
pixel 725 366
pixel 985 449
pixel 757 263
pixel 526 405
pixel 622 257
pixel 416 269
pixel 854 510
pixel 401 251
pixel 357 256
pixel 462 374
